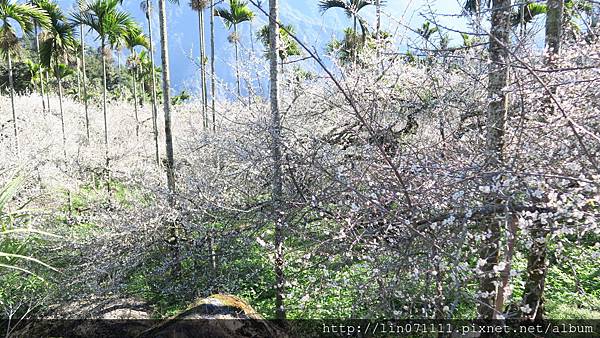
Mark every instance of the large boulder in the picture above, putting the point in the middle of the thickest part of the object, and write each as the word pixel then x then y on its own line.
pixel 92 317
pixel 217 316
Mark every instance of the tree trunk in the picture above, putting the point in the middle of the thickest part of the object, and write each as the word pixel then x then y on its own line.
pixel 119 64
pixel 135 102
pixel 378 29
pixel 505 273
pixel 237 61
pixel 212 64
pixel 169 165
pixel 166 86
pixel 62 117
pixel 277 189
pixel 78 66
pixel 11 85
pixel 378 25
pixel 522 18
pixel 153 92
pixel 47 91
pixel 496 119
pixel 84 82
pixel 536 274
pixel 250 53
pixel 37 50
pixel 533 294
pixel 143 89
pixel 103 45
pixel 202 66
pixel 478 27
pixel 554 19
pixel 355 46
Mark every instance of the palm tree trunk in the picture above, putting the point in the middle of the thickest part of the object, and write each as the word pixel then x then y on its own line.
pixel 202 66
pixel 11 84
pixel 62 117
pixel 204 86
pixel 478 27
pixel 119 74
pixel 78 79
pixel 277 189
pixel 84 82
pixel 537 266
pixel 47 91
pixel 522 19
pixel 237 61
pixel 119 64
pixel 211 243
pixel 37 50
pixel 142 86
pixel 355 37
pixel 164 44
pixel 212 64
pixel 103 45
pixel 496 119
pixel 250 53
pixel 166 85
pixel 378 25
pixel 153 92
pixel 135 102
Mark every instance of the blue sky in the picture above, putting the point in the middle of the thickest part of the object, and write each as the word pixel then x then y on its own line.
pixel 314 28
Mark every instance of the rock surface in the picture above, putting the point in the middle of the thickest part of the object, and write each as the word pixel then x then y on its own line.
pixel 218 316
pixel 215 316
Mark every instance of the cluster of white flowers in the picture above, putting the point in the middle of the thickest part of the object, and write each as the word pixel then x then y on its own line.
pixel 385 180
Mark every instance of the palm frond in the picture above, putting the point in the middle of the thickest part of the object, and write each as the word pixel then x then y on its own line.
pixel 24 15
pixel 325 5
pixel 237 13
pixel 146 7
pixel 135 38
pixel 62 70
pixel 360 4
pixel 15 16
pixel 240 11
pixel 224 14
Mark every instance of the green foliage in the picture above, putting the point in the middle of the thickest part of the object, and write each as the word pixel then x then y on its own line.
pixel 467 40
pixel 528 11
pixel 573 286
pixel 62 71
pixel 288 48
pixel 104 17
pixel 426 30
pixel 15 16
pixel 21 275
pixel 7 192
pixel 349 49
pixel 135 38
pixel 351 8
pixel 346 49
pixel 180 98
pixel 57 42
pixel 237 13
